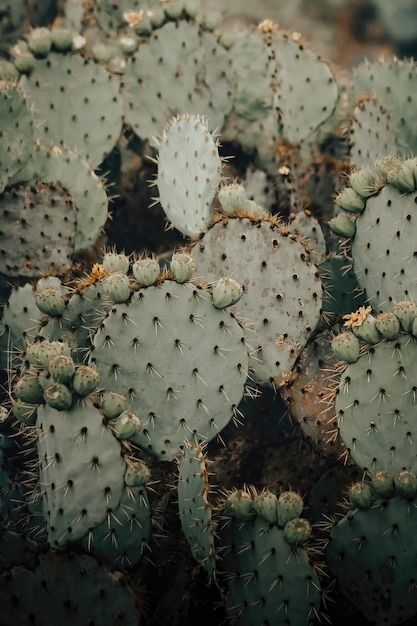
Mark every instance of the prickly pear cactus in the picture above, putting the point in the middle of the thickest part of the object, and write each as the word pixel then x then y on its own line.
pixel 182 362
pixel 372 133
pixel 183 50
pixel 17 133
pixel 376 398
pixel 194 507
pixel 269 578
pixel 113 16
pixel 372 553
pixel 122 537
pixel 393 83
pixel 55 165
pixel 282 288
pixel 74 587
pixel 87 93
pixel 42 219
pixel 299 70
pixel 83 457
pixel 187 190
pixel 382 200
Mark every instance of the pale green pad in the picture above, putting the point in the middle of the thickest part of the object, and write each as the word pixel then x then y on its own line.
pixel 194 507
pixel 307 91
pixel 377 409
pixel 182 69
pixel 121 537
pixel 38 229
pixel 394 84
pixel 16 132
pixel 384 248
pixel 189 173
pixel 181 361
pixel 81 470
pixel 283 293
pixel 87 93
pixel 372 134
pixel 270 581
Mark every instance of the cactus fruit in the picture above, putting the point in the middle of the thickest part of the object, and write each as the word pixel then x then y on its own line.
pixel 146 271
pixel 167 349
pixel 194 507
pixel 187 146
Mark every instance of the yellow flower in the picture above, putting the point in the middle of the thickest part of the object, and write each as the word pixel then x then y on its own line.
pixel 358 317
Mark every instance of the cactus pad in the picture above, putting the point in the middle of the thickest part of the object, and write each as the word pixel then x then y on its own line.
pixel 282 289
pixel 189 172
pixel 58 166
pixel 300 70
pixel 372 133
pixel 394 84
pixel 269 581
pixel 75 588
pixel 122 535
pixel 81 470
pixel 372 554
pixel 386 230
pixel 181 361
pixel 41 219
pixel 194 507
pixel 87 93
pixel 376 406
pixel 16 129
pixel 177 50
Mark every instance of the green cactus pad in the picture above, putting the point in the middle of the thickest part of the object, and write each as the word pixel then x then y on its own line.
pixel 189 172
pixel 372 553
pixel 394 84
pixel 122 536
pixel 307 227
pixel 16 129
pixel 81 470
pixel 342 292
pixel 252 68
pixel 20 318
pixel 269 581
pixel 57 165
pixel 384 245
pixel 301 71
pixel 168 350
pixel 74 588
pixel 38 229
pixel 376 406
pixel 194 507
pixel 372 133
pixel 176 50
pixel 282 289
pixel 87 93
